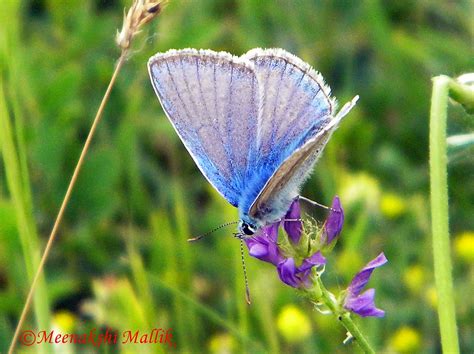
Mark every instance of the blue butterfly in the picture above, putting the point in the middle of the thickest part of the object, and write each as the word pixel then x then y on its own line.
pixel 255 125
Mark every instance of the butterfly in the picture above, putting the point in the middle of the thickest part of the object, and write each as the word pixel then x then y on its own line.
pixel 255 125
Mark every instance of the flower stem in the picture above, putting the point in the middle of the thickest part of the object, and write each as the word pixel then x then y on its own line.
pixel 439 209
pixel 462 94
pixel 343 316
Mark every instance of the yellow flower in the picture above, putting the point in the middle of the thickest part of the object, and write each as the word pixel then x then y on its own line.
pixel 464 246
pixel 392 206
pixel 293 324
pixel 360 188
pixel 432 297
pixel 64 320
pixel 222 343
pixel 414 278
pixel 406 340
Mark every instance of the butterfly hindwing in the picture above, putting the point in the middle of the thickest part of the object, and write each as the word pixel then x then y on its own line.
pixel 211 98
pixel 284 184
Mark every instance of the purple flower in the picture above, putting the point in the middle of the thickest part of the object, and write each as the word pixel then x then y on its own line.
pixel 334 222
pixel 298 277
pixel 363 304
pixel 292 222
pixel 287 272
pixel 264 245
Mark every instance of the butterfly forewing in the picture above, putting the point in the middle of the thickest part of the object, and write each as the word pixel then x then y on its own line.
pixel 294 103
pixel 211 98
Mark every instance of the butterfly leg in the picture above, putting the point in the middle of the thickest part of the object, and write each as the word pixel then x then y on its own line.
pixel 312 202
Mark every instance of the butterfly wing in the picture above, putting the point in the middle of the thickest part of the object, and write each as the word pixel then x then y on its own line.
pixel 294 102
pixel 295 105
pixel 211 98
pixel 283 185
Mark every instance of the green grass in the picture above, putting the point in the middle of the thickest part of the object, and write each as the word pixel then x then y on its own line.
pixel 122 260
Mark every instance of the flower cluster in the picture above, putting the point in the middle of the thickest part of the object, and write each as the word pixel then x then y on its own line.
pixel 297 255
pixel 265 247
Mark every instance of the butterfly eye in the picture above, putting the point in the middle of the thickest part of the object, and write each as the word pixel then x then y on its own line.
pixel 247 229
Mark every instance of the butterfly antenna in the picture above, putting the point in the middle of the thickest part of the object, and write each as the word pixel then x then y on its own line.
pixel 312 202
pixel 213 230
pixel 247 290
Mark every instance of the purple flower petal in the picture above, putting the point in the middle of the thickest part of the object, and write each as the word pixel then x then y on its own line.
pixel 270 231
pixel 308 263
pixel 362 278
pixel 363 304
pixel 334 222
pixel 292 222
pixel 298 277
pixel 287 272
pixel 304 270
pixel 257 250
pixel 264 245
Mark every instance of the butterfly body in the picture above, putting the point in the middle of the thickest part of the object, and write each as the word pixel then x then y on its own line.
pixel 267 213
pixel 255 125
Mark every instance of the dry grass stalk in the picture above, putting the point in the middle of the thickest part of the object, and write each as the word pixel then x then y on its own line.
pixel 141 12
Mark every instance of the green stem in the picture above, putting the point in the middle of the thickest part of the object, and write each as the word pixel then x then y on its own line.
pixel 439 213
pixel 321 294
pixel 463 94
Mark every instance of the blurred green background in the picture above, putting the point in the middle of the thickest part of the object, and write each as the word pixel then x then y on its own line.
pixel 121 260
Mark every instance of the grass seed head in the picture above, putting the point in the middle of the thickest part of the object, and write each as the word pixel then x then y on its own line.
pixel 141 12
